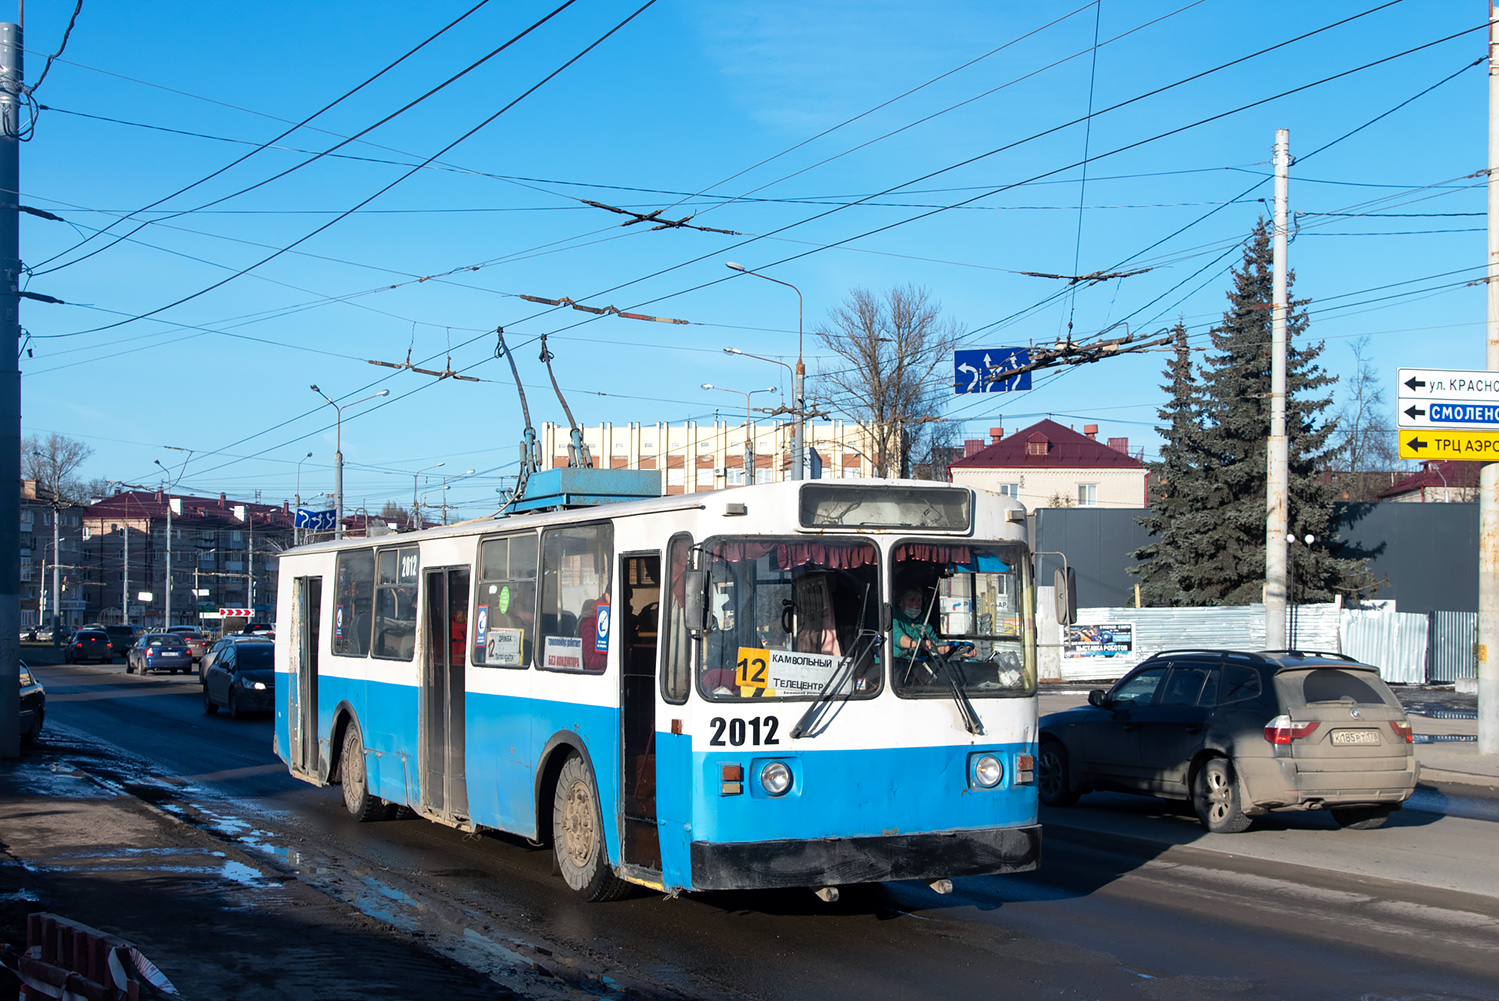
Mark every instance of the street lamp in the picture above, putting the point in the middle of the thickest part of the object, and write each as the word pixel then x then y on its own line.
pixel 749 441
pixel 167 613
pixel 338 457
pixel 799 382
pixel 296 532
pixel 416 504
pixel 445 479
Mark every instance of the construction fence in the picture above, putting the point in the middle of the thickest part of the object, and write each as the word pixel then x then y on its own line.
pixel 1408 647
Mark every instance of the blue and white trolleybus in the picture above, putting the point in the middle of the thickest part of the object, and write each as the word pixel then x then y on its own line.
pixel 793 684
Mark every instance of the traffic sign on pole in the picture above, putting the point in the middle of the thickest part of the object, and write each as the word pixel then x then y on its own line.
pixel 1448 399
pixel 974 370
pixel 1429 443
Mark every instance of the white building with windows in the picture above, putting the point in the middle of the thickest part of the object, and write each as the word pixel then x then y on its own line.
pixel 699 456
pixel 1050 465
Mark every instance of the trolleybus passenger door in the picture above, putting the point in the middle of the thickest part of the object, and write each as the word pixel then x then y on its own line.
pixel 640 604
pixel 302 711
pixel 444 785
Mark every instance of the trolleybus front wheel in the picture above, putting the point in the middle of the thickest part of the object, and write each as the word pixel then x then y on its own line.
pixel 357 798
pixel 578 835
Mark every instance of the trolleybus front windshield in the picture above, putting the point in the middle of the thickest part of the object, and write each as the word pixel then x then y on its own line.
pixel 785 612
pixel 970 603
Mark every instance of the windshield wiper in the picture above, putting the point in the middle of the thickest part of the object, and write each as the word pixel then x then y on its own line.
pixel 842 674
pixel 867 641
pixel 959 695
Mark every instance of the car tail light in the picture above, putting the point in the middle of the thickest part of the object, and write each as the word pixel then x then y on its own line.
pixel 1281 730
pixel 79 644
pixel 1403 729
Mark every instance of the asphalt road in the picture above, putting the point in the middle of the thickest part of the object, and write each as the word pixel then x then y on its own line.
pixel 1132 900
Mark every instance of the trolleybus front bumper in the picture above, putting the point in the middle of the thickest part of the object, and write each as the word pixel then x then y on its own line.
pixel 759 865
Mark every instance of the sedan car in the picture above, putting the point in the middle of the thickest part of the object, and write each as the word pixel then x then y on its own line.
pixel 89 644
pixel 196 639
pixel 242 678
pixel 123 635
pixel 1237 735
pixel 159 652
pixel 33 704
pixel 223 643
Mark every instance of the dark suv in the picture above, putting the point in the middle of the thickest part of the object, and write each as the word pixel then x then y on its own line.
pixel 1238 734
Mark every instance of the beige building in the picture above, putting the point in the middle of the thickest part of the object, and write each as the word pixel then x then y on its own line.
pixel 1050 465
pixel 699 456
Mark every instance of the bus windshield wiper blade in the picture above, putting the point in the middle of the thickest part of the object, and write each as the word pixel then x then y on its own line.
pixel 863 645
pixel 955 688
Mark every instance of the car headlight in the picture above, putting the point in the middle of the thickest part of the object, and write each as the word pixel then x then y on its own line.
pixel 775 778
pixel 259 686
pixel 987 771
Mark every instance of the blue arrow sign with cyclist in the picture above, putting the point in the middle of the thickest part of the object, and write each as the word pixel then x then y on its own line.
pixel 974 370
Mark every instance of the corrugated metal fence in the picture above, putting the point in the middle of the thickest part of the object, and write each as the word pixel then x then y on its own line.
pixel 1408 648
pixel 1454 636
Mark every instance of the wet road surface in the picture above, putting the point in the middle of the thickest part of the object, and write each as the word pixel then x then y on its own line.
pixel 1132 900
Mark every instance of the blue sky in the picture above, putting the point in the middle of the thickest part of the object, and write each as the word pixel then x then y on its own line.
pixel 723 111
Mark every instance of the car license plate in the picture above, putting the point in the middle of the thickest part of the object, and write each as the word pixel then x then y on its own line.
pixel 1355 736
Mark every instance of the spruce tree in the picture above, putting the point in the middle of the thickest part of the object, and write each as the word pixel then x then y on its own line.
pixel 1178 481
pixel 1227 510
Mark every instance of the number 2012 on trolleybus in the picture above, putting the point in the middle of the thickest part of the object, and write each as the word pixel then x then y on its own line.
pixel 792 684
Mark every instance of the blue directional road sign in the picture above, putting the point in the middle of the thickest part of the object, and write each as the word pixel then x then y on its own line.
pixel 974 370
pixel 316 521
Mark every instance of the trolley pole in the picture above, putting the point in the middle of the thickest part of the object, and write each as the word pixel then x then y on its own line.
pixel 10 390
pixel 1278 449
pixel 1488 474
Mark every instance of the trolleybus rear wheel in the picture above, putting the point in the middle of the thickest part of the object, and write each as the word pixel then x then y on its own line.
pixel 578 834
pixel 357 798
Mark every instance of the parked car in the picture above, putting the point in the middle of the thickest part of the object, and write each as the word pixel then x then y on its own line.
pixel 1238 734
pixel 44 633
pixel 89 644
pixel 123 636
pixel 196 640
pixel 33 704
pixel 159 652
pixel 241 678
pixel 223 643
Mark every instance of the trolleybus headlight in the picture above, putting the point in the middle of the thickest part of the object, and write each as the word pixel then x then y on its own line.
pixel 987 771
pixel 776 778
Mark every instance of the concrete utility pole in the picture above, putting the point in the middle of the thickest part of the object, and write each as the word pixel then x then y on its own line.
pixel 10 390
pixel 1278 449
pixel 1488 473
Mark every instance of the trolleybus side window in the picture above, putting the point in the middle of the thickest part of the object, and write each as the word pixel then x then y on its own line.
pixel 790 616
pixel 676 645
pixel 575 603
pixel 352 603
pixel 970 602
pixel 395 602
pixel 505 611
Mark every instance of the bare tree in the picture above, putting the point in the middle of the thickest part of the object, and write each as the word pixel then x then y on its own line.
pixel 52 461
pixel 896 348
pixel 1367 450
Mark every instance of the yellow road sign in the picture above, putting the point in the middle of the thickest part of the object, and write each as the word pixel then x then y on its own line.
pixel 1476 446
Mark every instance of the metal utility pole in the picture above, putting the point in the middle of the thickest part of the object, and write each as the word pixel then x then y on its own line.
pixel 1278 449
pixel 10 390
pixel 56 573
pixel 338 457
pixel 799 380
pixel 1488 473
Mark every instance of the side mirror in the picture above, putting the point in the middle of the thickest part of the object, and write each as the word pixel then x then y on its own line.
pixel 1097 699
pixel 695 601
pixel 1065 584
